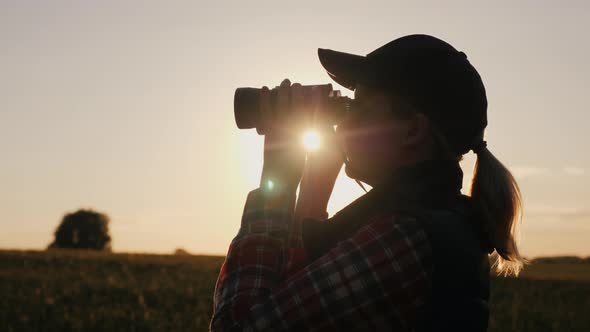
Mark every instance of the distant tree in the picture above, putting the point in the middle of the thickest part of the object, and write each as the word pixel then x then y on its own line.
pixel 83 229
pixel 181 252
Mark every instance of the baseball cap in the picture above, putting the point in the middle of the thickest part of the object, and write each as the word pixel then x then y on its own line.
pixel 430 74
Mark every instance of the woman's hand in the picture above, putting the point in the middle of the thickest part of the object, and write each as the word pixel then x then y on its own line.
pixel 284 156
pixel 320 173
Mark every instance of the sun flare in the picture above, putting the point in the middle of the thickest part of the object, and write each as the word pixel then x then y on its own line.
pixel 311 140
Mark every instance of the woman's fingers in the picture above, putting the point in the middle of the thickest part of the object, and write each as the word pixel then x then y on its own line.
pixel 265 108
pixel 283 101
pixel 282 150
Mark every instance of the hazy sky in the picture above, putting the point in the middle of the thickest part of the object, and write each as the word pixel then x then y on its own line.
pixel 127 107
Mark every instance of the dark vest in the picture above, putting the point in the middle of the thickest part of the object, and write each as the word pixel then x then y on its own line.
pixel 431 192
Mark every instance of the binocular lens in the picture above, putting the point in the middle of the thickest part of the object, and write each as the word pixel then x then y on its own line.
pixel 246 107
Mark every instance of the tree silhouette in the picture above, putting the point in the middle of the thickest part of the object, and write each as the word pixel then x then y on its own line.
pixel 181 252
pixel 83 229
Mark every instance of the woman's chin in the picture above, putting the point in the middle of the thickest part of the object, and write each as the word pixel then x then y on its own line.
pixel 354 173
pixel 351 172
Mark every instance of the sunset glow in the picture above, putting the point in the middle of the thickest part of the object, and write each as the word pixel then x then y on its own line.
pixel 127 108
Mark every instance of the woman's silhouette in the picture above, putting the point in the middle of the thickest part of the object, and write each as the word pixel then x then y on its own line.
pixel 410 255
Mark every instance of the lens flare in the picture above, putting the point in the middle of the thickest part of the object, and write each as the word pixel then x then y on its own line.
pixel 311 140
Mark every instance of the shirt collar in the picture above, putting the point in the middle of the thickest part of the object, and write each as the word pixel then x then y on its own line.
pixel 424 184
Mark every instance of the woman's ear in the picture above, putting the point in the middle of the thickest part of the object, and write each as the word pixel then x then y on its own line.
pixel 417 130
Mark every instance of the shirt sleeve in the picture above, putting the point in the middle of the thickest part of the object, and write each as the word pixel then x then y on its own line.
pixel 377 279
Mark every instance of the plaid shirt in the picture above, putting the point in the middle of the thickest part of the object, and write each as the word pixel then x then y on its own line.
pixel 378 279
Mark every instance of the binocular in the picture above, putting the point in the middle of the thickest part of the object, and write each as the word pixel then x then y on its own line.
pixel 248 114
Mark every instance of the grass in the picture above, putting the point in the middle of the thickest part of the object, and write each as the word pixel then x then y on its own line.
pixel 88 291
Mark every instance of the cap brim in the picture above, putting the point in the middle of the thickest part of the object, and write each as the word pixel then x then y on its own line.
pixel 344 68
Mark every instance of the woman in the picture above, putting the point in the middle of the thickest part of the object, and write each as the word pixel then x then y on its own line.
pixel 412 253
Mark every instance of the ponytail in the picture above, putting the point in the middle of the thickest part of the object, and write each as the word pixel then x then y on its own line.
pixel 496 196
pixel 495 193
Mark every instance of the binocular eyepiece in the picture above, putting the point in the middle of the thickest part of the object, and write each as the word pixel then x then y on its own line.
pixel 248 114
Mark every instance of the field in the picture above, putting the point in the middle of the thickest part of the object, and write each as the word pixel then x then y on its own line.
pixel 85 291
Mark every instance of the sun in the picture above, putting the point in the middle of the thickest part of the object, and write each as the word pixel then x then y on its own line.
pixel 311 140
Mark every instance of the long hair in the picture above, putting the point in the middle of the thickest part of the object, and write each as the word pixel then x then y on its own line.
pixel 496 194
pixel 497 198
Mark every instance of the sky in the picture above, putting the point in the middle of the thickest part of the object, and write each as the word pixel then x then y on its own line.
pixel 126 107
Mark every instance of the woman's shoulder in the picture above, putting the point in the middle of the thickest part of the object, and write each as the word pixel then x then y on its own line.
pixel 393 232
pixel 404 224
